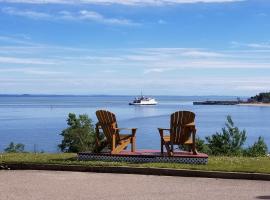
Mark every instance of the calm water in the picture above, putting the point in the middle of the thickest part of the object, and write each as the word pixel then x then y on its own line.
pixel 37 121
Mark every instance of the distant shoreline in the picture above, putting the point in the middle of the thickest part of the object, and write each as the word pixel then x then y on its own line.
pixel 116 95
pixel 230 103
pixel 254 104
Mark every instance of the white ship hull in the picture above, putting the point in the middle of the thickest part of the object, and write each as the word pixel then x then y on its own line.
pixel 144 102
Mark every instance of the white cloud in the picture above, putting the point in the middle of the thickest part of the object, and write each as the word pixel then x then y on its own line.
pixel 122 2
pixel 263 45
pixel 33 61
pixel 32 71
pixel 94 16
pixel 108 69
pixel 82 15
pixel 26 13
pixel 259 45
pixel 16 40
pixel 156 70
pixel 114 85
pixel 146 60
pixel 196 53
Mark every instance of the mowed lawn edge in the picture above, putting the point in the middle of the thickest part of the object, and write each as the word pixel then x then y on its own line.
pixel 215 163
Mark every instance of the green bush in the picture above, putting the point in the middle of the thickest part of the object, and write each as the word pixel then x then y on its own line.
pixel 229 141
pixel 202 147
pixel 80 136
pixel 14 148
pixel 259 148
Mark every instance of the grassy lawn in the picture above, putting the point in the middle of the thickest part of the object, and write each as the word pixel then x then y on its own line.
pixel 229 164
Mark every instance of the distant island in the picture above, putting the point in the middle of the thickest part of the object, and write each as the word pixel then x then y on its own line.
pixel 259 99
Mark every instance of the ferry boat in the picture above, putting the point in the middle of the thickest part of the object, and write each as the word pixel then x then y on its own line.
pixel 142 100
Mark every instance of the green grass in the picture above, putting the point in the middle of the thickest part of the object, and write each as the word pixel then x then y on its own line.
pixel 228 164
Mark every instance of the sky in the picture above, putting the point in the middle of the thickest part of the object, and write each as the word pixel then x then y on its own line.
pixel 123 47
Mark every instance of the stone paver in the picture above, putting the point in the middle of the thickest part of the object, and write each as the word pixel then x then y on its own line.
pixel 55 185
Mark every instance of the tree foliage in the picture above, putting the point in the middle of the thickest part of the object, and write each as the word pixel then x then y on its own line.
pixel 202 147
pixel 227 142
pixel 230 142
pixel 259 148
pixel 79 136
pixel 263 97
pixel 14 148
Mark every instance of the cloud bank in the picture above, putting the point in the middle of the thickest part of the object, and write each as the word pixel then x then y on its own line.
pixel 82 15
pixel 121 2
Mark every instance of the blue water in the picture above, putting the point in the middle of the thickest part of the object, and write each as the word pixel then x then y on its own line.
pixel 37 121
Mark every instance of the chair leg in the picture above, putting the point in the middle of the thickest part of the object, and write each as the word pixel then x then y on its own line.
pixel 167 145
pixel 171 152
pixel 161 146
pixel 113 144
pixel 189 148
pixel 133 144
pixel 194 142
pixel 194 149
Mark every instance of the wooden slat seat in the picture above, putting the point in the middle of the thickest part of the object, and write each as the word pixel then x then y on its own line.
pixel 116 141
pixel 181 132
pixel 168 139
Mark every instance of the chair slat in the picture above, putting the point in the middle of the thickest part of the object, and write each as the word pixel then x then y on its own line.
pixel 108 122
pixel 178 120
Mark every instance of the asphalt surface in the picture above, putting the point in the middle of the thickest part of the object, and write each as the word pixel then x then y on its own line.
pixel 58 185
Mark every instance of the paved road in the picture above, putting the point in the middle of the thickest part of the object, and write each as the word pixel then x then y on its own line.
pixel 51 185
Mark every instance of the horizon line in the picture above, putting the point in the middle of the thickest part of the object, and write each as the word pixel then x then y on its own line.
pixel 19 94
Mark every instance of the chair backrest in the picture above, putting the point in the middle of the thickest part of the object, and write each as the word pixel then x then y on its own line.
pixel 178 133
pixel 107 121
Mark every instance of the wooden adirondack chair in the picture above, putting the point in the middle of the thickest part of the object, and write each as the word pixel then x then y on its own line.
pixel 182 132
pixel 116 141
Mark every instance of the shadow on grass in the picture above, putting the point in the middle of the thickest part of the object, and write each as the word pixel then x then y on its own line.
pixel 73 159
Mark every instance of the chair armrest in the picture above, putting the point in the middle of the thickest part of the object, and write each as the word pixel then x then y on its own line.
pixel 192 124
pixel 125 129
pixel 164 129
pixel 133 130
pixel 161 131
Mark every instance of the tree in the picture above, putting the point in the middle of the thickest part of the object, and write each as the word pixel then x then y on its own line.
pixel 229 141
pixel 259 148
pixel 14 148
pixel 263 97
pixel 79 136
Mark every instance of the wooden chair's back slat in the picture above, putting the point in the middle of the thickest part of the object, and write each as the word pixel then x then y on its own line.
pixel 178 133
pixel 108 123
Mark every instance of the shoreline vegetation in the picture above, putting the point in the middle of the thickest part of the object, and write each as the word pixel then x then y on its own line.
pixel 261 99
pixel 254 104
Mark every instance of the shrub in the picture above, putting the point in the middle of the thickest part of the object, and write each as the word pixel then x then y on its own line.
pixel 259 148
pixel 202 147
pixel 229 141
pixel 79 136
pixel 14 148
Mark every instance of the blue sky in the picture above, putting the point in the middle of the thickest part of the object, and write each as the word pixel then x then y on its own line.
pixel 169 47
